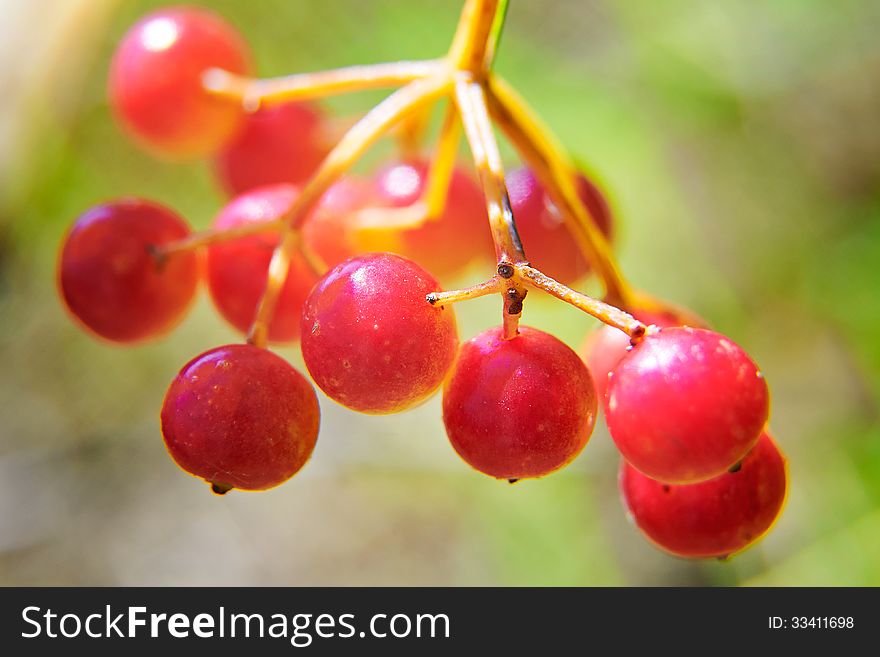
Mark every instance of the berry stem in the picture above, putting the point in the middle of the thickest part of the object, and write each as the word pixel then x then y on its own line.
pixel 364 134
pixel 278 268
pixel 254 93
pixel 433 200
pixel 442 163
pixel 212 236
pixel 471 99
pixel 598 309
pixel 491 286
pixel 540 148
pixel 471 40
pixel 495 34
pixel 410 134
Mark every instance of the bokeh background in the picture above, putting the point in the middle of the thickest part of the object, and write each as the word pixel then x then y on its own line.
pixel 740 142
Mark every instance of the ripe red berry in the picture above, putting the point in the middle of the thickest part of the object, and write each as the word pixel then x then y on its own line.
pixel 238 268
pixel 156 86
pixel 449 242
pixel 330 230
pixel 518 408
pixel 713 518
pixel 240 417
pixel 276 144
pixel 685 404
pixel 370 339
pixel 549 244
pixel 603 348
pixel 112 282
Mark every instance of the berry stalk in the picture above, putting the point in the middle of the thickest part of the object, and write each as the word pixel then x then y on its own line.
pixel 598 309
pixel 540 148
pixel 433 200
pixel 493 285
pixel 495 34
pixel 254 93
pixel 471 40
pixel 471 99
pixel 212 236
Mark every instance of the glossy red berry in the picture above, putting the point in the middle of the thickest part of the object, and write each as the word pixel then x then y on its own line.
pixel 713 518
pixel 156 87
pixel 276 144
pixel 238 268
pixel 370 339
pixel 685 404
pixel 604 347
pixel 518 408
pixel 240 417
pixel 549 244
pixel 449 242
pixel 330 231
pixel 112 281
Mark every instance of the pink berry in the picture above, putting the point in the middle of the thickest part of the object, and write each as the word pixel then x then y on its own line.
pixel 156 81
pixel 111 278
pixel 685 404
pixel 714 518
pixel 240 417
pixel 370 339
pixel 276 144
pixel 518 408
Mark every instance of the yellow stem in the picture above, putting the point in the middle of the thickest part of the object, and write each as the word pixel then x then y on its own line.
pixel 432 202
pixel 278 268
pixel 471 100
pixel 495 34
pixel 410 134
pixel 598 309
pixel 442 164
pixel 470 97
pixel 550 163
pixel 468 50
pixel 474 292
pixel 213 235
pixel 255 92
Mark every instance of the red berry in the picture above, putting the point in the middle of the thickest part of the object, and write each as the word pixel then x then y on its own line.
pixel 330 230
pixel 449 242
pixel 240 417
pixel 518 408
pixel 548 242
pixel 713 518
pixel 685 404
pixel 370 339
pixel 604 347
pixel 238 268
pixel 110 280
pixel 276 144
pixel 156 86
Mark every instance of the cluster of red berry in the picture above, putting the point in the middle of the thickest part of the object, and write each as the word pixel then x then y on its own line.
pixel 686 406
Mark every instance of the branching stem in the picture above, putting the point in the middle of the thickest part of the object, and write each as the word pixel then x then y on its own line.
pixel 550 163
pixel 476 97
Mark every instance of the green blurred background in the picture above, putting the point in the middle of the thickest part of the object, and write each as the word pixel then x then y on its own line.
pixel 740 141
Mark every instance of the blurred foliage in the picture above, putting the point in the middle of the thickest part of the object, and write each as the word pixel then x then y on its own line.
pixel 740 144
